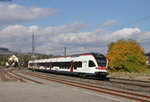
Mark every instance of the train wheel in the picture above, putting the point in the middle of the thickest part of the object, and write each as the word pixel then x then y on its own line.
pixel 84 75
pixel 102 78
pixel 80 75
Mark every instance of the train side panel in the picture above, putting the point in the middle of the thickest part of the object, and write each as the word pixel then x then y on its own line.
pixel 80 65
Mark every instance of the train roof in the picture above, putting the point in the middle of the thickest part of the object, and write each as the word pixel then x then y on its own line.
pixel 87 54
pixel 76 55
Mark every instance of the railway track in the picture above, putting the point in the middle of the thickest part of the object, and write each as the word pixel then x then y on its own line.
pixel 5 76
pixel 130 80
pixel 20 77
pixel 140 83
pixel 136 85
pixel 93 87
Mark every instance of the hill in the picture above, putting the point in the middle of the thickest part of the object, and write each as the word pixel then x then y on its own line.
pixel 148 54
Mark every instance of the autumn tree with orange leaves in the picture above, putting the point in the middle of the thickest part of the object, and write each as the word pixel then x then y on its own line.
pixel 126 55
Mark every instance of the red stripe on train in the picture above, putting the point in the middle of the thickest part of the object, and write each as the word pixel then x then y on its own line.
pixel 102 67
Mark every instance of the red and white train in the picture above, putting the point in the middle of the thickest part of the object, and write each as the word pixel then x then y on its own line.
pixel 84 65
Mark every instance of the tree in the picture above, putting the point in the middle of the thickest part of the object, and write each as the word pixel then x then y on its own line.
pixel 44 56
pixel 110 46
pixel 25 59
pixel 126 55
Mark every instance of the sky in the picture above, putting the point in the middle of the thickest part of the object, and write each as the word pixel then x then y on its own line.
pixel 82 26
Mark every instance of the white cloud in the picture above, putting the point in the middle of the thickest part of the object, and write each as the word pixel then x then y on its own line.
pixel 52 39
pixel 126 33
pixel 133 34
pixel 14 13
pixel 19 37
pixel 109 22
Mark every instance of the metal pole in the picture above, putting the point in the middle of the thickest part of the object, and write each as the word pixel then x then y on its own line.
pixel 33 47
pixel 33 51
pixel 65 51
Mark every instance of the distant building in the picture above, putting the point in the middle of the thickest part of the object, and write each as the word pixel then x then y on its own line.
pixel 13 60
pixel 148 58
pixel 4 49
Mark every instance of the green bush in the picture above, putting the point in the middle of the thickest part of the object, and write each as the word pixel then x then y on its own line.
pixel 134 63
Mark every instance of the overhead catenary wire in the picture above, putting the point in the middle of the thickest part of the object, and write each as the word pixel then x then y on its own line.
pixel 128 23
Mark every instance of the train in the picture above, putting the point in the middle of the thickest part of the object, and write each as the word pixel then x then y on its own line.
pixel 83 65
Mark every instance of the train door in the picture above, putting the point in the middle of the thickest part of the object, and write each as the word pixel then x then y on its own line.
pixel 71 66
pixel 84 66
pixel 45 65
pixel 50 66
pixel 91 66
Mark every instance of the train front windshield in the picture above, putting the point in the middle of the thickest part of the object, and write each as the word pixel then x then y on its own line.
pixel 101 60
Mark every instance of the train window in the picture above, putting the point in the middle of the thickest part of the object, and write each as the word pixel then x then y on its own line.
pixel 31 64
pixel 38 64
pixel 62 65
pixel 59 64
pixel 91 64
pixel 53 64
pixel 41 64
pixel 77 65
pixel 46 64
